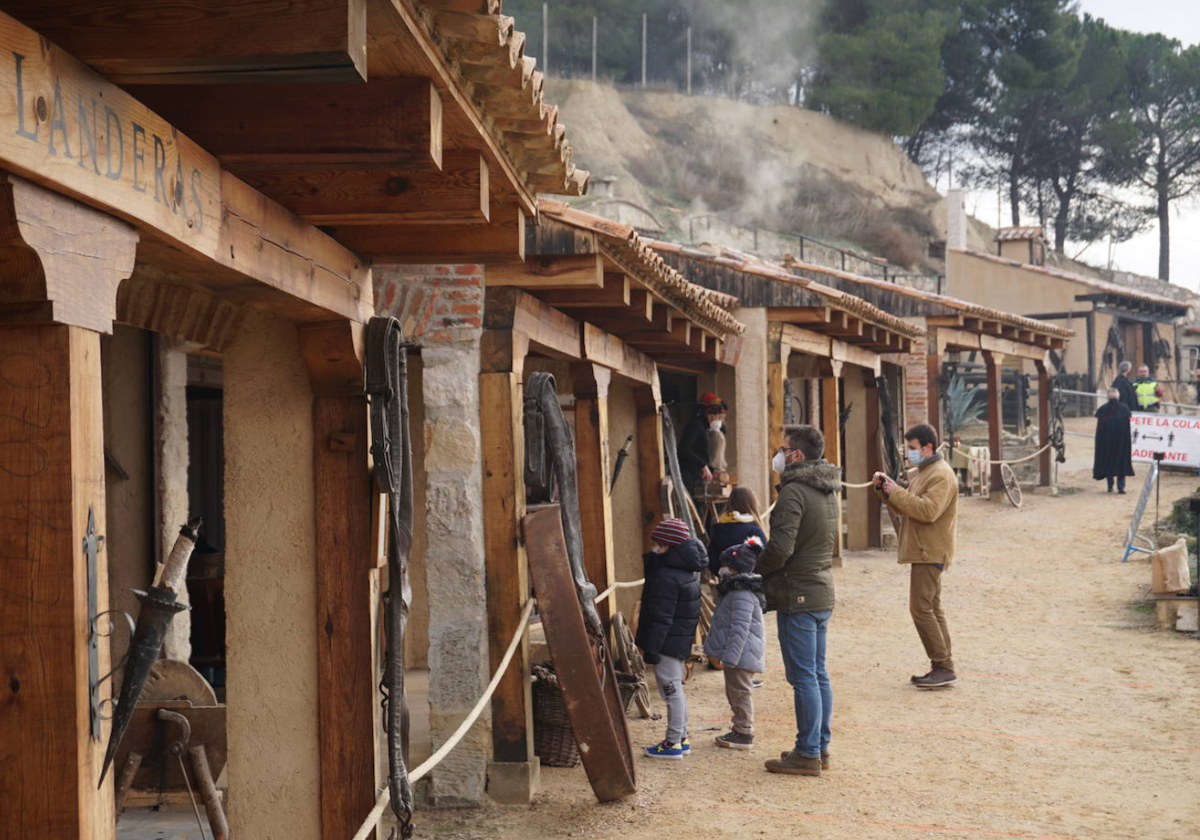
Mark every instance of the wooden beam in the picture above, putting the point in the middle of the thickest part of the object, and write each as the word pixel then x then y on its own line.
pixel 806 341
pixel 584 270
pixel 602 348
pixel 591 472
pixel 650 457
pixel 933 372
pixel 1044 462
pixel 319 125
pixel 52 438
pixel 800 314
pixel 830 426
pixel 506 568
pixel 858 467
pixel 855 355
pixel 457 194
pixel 555 333
pixel 214 41
pixel 615 292
pixel 94 142
pixel 502 240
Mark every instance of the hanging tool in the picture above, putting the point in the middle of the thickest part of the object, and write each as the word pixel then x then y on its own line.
pixel 391 448
pixel 159 606
pixel 685 510
pixel 621 456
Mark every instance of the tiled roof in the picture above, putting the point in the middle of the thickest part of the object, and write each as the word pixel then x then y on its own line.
pixel 1019 234
pixel 622 245
pixel 489 55
pixel 858 307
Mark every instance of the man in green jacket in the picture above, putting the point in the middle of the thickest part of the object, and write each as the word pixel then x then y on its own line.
pixel 929 511
pixel 797 570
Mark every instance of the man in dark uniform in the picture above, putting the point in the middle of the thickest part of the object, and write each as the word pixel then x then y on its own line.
pixel 1125 392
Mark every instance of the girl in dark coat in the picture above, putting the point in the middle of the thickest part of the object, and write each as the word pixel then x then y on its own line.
pixel 667 623
pixel 736 525
pixel 1114 447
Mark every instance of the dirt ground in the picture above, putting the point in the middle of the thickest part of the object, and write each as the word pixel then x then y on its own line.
pixel 1073 717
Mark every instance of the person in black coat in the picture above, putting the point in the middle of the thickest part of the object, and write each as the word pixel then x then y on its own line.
pixel 667 623
pixel 736 525
pixel 695 456
pixel 1125 392
pixel 1114 446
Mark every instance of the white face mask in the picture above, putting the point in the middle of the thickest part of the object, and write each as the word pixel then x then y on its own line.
pixel 715 425
pixel 779 463
pixel 726 572
pixel 915 457
pixel 658 549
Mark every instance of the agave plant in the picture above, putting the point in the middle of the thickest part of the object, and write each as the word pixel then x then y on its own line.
pixel 962 405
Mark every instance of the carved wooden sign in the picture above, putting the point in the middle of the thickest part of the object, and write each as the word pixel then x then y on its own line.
pixel 67 128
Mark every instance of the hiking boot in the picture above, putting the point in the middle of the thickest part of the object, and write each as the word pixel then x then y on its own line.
pixel 937 678
pixel 794 764
pixel 824 758
pixel 735 740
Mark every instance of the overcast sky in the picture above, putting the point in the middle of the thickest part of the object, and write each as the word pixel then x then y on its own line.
pixel 1179 19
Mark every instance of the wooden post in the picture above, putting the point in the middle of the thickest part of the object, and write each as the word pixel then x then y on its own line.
pixel 650 457
pixel 933 368
pixel 1044 460
pixel 778 354
pixel 507 572
pixel 592 473
pixel 52 459
pixel 995 416
pixel 862 459
pixel 830 420
pixel 342 499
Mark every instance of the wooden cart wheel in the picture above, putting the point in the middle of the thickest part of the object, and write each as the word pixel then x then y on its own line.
pixel 1012 487
pixel 630 661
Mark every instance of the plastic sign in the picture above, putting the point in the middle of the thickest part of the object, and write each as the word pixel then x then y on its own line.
pixel 1176 436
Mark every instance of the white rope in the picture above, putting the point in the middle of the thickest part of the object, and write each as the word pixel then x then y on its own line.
pixel 385 796
pixel 979 460
pixel 626 584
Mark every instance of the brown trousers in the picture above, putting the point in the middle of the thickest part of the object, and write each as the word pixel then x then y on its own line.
pixel 925 604
pixel 739 691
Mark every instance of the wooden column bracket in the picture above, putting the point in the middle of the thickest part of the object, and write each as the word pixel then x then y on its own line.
pixel 41 281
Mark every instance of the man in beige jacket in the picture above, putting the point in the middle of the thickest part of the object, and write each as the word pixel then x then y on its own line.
pixel 929 511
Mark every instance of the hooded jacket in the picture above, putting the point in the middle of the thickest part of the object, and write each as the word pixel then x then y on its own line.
pixel 797 564
pixel 736 635
pixel 670 601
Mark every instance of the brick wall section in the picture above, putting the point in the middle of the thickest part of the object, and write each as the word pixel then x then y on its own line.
pixel 436 304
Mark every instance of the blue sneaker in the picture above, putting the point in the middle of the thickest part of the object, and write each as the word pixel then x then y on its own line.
pixel 664 750
pixel 686 746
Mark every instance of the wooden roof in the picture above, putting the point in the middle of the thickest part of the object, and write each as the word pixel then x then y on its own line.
pixel 1019 234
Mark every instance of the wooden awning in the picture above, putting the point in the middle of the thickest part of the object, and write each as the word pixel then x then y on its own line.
pixel 602 273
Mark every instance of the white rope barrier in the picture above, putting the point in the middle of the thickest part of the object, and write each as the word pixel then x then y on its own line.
pixel 385 796
pixel 627 584
pixel 979 460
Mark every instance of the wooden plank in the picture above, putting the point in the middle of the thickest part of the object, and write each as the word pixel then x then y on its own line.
pixel 776 397
pixel 1044 460
pixel 345 685
pixel 857 465
pixel 52 457
pixel 875 463
pixel 830 419
pixel 457 194
pixel 603 348
pixel 555 333
pixel 855 355
pixel 507 568
pixel 390 116
pixel 806 341
pixel 933 372
pixel 591 474
pixel 502 240
pixel 208 41
pixel 564 272
pixel 615 292
pixel 800 314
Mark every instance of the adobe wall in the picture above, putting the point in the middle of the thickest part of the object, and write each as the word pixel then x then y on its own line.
pixel 270 586
pixel 753 440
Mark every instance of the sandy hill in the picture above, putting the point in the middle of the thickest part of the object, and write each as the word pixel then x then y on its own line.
pixel 777 168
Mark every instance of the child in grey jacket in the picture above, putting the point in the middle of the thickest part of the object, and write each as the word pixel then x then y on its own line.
pixel 736 637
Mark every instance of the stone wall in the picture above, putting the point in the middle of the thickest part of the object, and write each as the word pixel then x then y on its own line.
pixel 441 309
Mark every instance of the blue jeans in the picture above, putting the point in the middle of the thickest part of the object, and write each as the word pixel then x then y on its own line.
pixel 802 641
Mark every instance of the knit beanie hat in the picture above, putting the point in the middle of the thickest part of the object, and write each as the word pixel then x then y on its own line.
pixel 741 558
pixel 671 532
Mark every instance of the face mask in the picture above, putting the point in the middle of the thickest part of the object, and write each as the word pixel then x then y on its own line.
pixel 779 463
pixel 915 457
pixel 726 572
pixel 1112 399
pixel 659 549
pixel 715 425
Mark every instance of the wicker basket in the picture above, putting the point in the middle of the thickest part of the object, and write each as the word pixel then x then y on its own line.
pixel 553 740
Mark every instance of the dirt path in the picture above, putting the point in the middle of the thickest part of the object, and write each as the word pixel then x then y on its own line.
pixel 1073 719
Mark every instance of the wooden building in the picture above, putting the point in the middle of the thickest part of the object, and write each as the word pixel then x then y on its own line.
pixel 951 326
pixel 187 245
